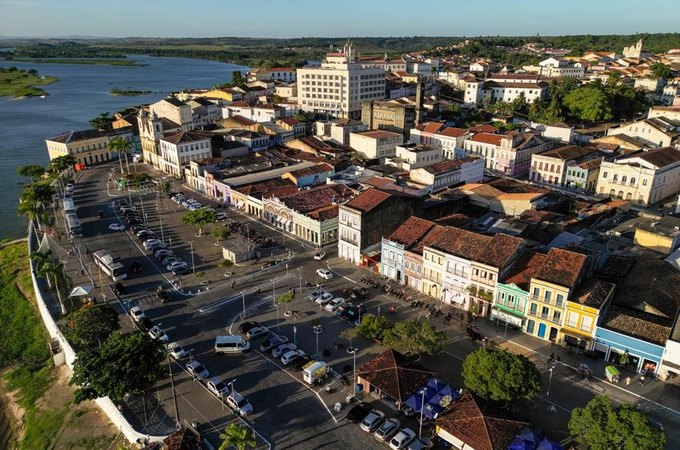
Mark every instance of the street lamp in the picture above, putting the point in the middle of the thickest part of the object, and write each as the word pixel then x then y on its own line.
pixel 274 291
pixel 174 395
pixel 277 318
pixel 243 297
pixel 550 380
pixel 354 368
pixel 160 217
pixel 300 278
pixel 193 266
pixel 422 409
pixel 317 331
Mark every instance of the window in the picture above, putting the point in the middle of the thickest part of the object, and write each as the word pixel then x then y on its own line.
pixel 560 300
pixel 536 292
pixel 556 316
pixel 530 326
pixel 644 182
pixel 586 323
pixel 545 311
pixel 572 320
pixel 548 296
pixel 533 308
pixel 604 175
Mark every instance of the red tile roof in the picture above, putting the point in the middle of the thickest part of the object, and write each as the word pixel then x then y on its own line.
pixel 526 268
pixel 318 197
pixel 395 375
pixel 562 267
pixel 496 251
pixel 433 127
pixel 185 136
pixel 313 170
pixel 411 231
pixel 485 128
pixel 242 120
pixel 449 165
pixel 479 430
pixel 368 200
pixel 454 132
pixel 432 236
pixel 486 138
pixel 378 181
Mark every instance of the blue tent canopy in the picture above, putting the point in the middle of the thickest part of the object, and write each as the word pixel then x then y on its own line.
pixel 416 400
pixel 435 390
pixel 520 444
pixel 435 384
pixel 547 444
pixel 530 435
pixel 432 410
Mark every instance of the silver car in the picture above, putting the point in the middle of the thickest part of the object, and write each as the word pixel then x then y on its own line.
pixel 388 429
pixel 372 420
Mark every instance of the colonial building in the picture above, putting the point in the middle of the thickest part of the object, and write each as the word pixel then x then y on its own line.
pixel 584 308
pixel 87 146
pixel 505 88
pixel 550 167
pixel 376 143
pixel 177 150
pixel 409 233
pixel 340 85
pixel 412 156
pixel 175 110
pixel 438 135
pixel 442 175
pixel 390 115
pixel 658 132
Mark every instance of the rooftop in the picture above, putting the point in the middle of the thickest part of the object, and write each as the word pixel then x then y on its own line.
pixel 496 251
pixel 486 138
pixel 562 267
pixel 666 226
pixel 412 147
pixel 593 293
pixel 658 157
pixel 568 152
pixel 638 324
pixel 368 200
pixel 411 231
pixel 318 197
pixel 526 268
pixel 74 136
pixel 184 137
pixel 312 170
pixel 449 165
pixel 379 134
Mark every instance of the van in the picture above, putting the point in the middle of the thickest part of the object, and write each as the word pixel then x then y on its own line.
pixel 231 344
pixel 314 371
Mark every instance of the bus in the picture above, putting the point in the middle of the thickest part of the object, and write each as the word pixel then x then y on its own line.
pixel 73 225
pixel 68 205
pixel 110 265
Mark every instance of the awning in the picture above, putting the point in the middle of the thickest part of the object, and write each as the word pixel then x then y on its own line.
pixel 79 291
pixel 506 317
pixel 576 334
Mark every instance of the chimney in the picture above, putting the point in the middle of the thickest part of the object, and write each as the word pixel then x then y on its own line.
pixel 419 100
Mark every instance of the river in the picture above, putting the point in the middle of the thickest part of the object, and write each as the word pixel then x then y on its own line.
pixel 82 92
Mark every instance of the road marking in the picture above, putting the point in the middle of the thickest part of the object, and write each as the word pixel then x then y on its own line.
pixel 227 300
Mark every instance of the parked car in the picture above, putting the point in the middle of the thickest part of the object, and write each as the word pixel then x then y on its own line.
pixel 164 252
pixel 119 288
pixel 137 228
pixel 372 420
pixel 358 412
pixel 404 437
pixel 325 298
pixel 156 332
pixel 169 260
pixel 145 324
pixel 334 304
pixel 176 351
pixel 388 429
pixel 175 265
pixel 197 370
pixel 101 214
pixel 271 342
pixel 319 256
pixel 241 405
pixel 316 293
pixel 324 273
pixel 420 444
pixel 217 387
pixel 137 313
pixel 116 227
pixel 257 332
pixel 156 246
pixel 131 222
pixel 290 356
pixel 180 270
pixel 135 267
pixel 300 362
pixel 221 216
pixel 245 326
pixel 148 235
pixel 359 293
pixel 277 352
pixel 150 242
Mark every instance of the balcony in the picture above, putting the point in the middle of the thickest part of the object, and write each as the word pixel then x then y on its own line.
pixel 545 317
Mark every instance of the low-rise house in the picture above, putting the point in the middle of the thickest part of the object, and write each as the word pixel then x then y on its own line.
pixel 412 156
pixel 204 112
pixel 669 112
pixel 505 196
pixel 392 262
pixel 644 177
pixel 512 293
pixel 659 131
pixel 659 234
pixel 437 135
pixel 590 301
pixel 442 175
pixel 413 257
pixel 254 141
pixel 310 176
pixel 509 153
pixel 257 113
pixel 298 128
pixel 549 167
pixel 376 143
pixel 583 177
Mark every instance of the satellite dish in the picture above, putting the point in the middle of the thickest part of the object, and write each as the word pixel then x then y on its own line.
pixel 445 401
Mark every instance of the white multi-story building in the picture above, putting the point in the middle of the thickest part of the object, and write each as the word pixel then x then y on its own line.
pixel 442 175
pixel 339 85
pixel 558 68
pixel 438 135
pixel 258 113
pixel 174 110
pixel 505 88
pixel 179 149
pixel 411 156
pixel 658 131
pixel 376 143
pixel 550 167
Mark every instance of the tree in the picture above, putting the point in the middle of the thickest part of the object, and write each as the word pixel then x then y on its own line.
pixel 416 337
pixel 103 122
pixel 286 299
pixel 238 436
pixel 91 325
pixel 559 88
pixel 374 327
pixel 61 163
pixel 546 113
pixel 31 210
pixel 237 79
pixel 500 375
pixel 163 187
pixel 588 103
pixel 221 234
pixel 32 171
pixel 50 270
pixel 121 146
pixel 129 364
pixel 660 70
pixel 600 425
pixel 40 192
pixel 200 218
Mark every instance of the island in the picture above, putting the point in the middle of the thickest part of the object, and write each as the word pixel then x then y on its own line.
pixel 93 61
pixel 22 83
pixel 130 92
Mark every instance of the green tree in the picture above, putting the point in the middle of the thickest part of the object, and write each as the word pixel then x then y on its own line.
pixel 129 364
pixel 61 163
pixel 90 326
pixel 559 88
pixel 221 234
pixel 103 122
pixel 121 147
pixel 32 171
pixel 415 336
pixel 200 218
pixel 546 113
pixel 374 327
pixel 237 436
pixel 660 70
pixel 603 427
pixel 50 270
pixel 40 192
pixel 163 187
pixel 588 103
pixel 500 375
pixel 31 210
pixel 237 79
pixel 286 299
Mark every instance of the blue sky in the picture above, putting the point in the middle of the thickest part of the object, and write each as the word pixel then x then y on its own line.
pixel 334 18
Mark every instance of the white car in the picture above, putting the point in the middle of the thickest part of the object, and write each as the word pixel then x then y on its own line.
pixel 137 314
pixel 217 387
pixel 240 404
pixel 116 227
pixel 324 273
pixel 319 256
pixel 334 304
pixel 151 243
pixel 157 333
pixel 324 299
pixel 176 351
pixel 197 370
pixel 316 293
pixel 221 216
pixel 388 429
pixel 176 265
pixel 256 332
pixel 402 439
pixel 291 356
pixel 372 420
pixel 277 352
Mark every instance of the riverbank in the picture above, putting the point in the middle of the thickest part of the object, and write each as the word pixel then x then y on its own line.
pixel 89 61
pixel 128 92
pixel 37 401
pixel 22 83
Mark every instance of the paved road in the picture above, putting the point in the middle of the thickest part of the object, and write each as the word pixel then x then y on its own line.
pixel 288 413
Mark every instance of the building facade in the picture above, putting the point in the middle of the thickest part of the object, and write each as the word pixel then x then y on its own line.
pixel 179 149
pixel 376 143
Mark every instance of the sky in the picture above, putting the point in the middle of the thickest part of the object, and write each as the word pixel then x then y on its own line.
pixel 334 18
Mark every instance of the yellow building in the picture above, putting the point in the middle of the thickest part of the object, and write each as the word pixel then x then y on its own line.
pixel 87 146
pixel 583 311
pixel 549 291
pixel 433 268
pixel 661 235
pixel 226 94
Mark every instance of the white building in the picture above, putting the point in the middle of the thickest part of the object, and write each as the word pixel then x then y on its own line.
pixel 669 112
pixel 376 143
pixel 412 156
pixel 438 135
pixel 559 68
pixel 258 113
pixel 442 175
pixel 179 149
pixel 505 88
pixel 658 131
pixel 339 85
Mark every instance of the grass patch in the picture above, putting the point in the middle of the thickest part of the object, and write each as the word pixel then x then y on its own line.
pixel 31 384
pixel 42 428
pixel 22 83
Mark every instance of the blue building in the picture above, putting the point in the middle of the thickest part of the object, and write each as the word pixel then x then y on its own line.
pixel 392 251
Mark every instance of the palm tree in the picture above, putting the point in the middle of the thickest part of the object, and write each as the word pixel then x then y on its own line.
pixel 40 258
pixel 50 269
pixel 31 210
pixel 237 436
pixel 121 146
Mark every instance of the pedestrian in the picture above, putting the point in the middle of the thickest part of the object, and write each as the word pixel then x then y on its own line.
pixel 82 272
pixel 628 381
pixel 552 357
